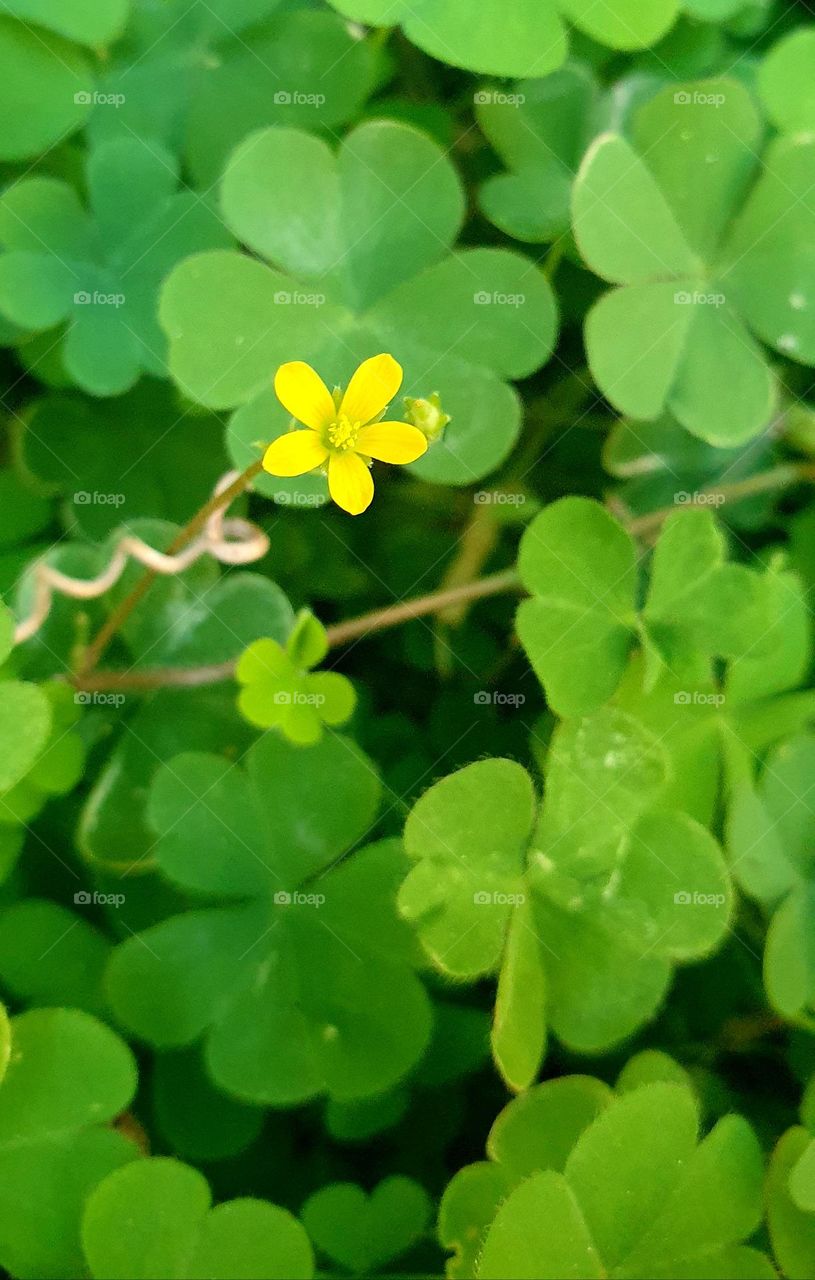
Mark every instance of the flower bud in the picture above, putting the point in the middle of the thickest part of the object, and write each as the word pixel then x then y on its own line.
pixel 427 415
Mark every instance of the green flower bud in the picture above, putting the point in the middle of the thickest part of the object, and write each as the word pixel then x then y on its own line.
pixel 427 415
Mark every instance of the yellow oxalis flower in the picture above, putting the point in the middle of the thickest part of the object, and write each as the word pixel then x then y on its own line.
pixel 344 432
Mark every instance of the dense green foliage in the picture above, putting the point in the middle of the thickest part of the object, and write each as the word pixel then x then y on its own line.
pixel 429 891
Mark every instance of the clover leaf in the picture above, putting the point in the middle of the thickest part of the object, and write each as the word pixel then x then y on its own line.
pixel 47 72
pixel 68 1076
pixel 533 43
pixel 280 691
pixel 80 20
pixel 97 271
pixel 364 1232
pixel 360 244
pixel 574 915
pixel 117 460
pixel 770 268
pixel 50 956
pixel 652 216
pixel 175 1233
pixel 791 1202
pixel 639 1192
pixel 47 757
pixel 771 846
pixel 786 78
pixel 535 1131
pixel 256 63
pixel 712 731
pixel 540 129
pixel 113 834
pixel 197 1121
pixel 302 984
pixel 40 755
pixel 580 566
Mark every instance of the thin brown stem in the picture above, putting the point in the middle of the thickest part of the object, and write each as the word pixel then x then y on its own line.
pixel 124 609
pixel 343 633
pixel 781 477
pixel 408 610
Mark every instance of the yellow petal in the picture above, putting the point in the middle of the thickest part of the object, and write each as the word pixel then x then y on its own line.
pixel 294 453
pixel 392 442
pixel 350 483
pixel 303 392
pixel 372 387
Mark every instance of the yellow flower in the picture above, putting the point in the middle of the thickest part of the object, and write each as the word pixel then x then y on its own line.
pixel 344 432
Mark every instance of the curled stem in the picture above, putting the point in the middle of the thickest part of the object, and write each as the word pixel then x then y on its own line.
pixel 222 498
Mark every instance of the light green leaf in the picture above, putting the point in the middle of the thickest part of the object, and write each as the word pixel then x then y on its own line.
pixel 580 566
pixel 105 283
pixel 91 22
pixel 362 281
pixel 638 1197
pixel 519 1029
pixel 539 1129
pixel 467 836
pixel 623 223
pixel 51 77
pixel 792 1229
pixel 309 989
pixel 540 1234
pixel 786 81
pixel 802 1180
pixel 230 325
pixel 771 266
pixel 68 1077
pixel 174 1233
pixel 789 964
pixel 540 132
pixel 653 216
pixel 532 42
pixel 519 329
pixel 25 723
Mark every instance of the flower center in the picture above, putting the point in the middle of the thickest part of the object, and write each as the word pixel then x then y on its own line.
pixel 342 434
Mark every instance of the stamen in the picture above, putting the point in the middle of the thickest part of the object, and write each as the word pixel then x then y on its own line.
pixel 343 433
